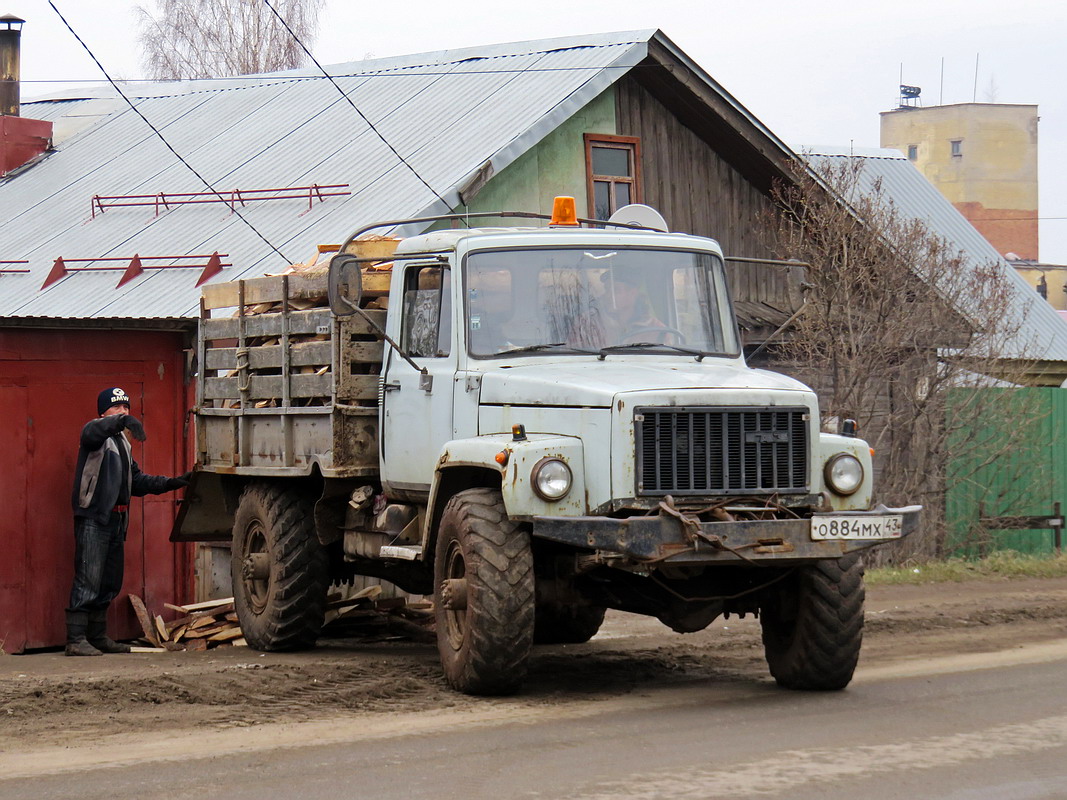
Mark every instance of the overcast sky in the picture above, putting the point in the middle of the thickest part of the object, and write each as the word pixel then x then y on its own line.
pixel 816 72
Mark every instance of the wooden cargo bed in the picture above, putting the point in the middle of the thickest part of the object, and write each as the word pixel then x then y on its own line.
pixel 284 384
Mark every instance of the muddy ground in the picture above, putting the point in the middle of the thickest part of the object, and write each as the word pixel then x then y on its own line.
pixel 47 700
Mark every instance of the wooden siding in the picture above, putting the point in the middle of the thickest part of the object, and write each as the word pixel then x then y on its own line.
pixel 690 180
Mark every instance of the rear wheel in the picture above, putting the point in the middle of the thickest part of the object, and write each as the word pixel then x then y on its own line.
pixel 561 623
pixel 279 569
pixel 484 579
pixel 813 625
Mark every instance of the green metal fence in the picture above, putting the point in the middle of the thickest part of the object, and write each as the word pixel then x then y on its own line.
pixel 1008 458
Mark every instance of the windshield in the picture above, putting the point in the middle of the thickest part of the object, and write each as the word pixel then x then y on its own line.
pixel 578 300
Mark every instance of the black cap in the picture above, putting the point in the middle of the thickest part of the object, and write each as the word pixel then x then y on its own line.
pixel 111 397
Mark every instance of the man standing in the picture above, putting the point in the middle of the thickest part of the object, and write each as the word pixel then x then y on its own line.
pixel 105 480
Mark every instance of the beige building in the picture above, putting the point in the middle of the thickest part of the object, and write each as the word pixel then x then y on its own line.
pixel 983 158
pixel 1048 280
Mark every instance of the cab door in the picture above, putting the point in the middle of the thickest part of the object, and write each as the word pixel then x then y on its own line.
pixel 416 411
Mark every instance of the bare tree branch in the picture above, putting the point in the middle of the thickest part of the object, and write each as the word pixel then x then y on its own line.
pixel 188 39
pixel 908 337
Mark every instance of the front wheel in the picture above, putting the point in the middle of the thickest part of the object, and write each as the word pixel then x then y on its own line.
pixel 813 625
pixel 484 604
pixel 279 569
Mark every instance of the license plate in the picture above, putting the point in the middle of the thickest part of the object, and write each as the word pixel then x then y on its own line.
pixel 886 526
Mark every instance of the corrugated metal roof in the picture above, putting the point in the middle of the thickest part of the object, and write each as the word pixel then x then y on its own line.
pixel 1042 332
pixel 447 113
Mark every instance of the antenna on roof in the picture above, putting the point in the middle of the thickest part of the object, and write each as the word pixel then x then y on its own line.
pixel 909 96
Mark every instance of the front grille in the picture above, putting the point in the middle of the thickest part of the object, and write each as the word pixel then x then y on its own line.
pixel 702 450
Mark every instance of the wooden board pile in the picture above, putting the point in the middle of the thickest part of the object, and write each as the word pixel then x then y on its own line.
pixel 201 626
pixel 310 354
pixel 213 623
pixel 365 616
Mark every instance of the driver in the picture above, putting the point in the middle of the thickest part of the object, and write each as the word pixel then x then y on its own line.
pixel 630 319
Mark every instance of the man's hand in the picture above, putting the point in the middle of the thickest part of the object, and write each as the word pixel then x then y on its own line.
pixel 180 481
pixel 134 426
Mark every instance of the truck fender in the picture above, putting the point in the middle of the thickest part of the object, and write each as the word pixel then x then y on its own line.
pixel 472 463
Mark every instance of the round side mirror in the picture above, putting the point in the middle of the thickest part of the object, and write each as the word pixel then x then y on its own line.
pixel 345 284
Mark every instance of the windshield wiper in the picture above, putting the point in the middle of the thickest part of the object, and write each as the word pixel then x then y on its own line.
pixel 531 348
pixel 616 348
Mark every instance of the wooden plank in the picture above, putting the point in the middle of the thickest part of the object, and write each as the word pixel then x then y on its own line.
pixel 135 648
pixel 220 388
pixel 382 248
pixel 203 622
pixel 268 289
pixel 207 631
pixel 206 604
pixel 177 623
pixel 214 611
pixel 301 354
pixel 161 629
pixel 361 352
pixel 215 329
pixel 143 617
pixel 226 635
pixel 358 387
pixel 310 385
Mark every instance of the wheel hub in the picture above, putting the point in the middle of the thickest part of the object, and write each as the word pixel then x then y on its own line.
pixel 453 594
pixel 256 567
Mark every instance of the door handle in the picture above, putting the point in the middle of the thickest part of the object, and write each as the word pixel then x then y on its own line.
pixel 390 387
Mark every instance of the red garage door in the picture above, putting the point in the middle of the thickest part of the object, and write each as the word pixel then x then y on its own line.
pixel 48 386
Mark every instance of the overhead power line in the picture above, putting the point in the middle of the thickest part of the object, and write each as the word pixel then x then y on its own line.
pixel 348 99
pixel 156 131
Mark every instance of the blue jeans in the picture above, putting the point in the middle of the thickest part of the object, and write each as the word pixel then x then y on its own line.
pixel 98 562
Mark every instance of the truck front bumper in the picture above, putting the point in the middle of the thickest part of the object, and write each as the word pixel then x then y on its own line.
pixel 667 538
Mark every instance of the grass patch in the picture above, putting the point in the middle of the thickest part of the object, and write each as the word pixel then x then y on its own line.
pixel 1002 564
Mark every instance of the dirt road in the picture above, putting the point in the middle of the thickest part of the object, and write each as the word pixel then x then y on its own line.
pixel 58 713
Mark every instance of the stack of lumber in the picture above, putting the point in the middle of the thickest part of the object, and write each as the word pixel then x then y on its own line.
pixel 213 623
pixel 257 303
pixel 200 626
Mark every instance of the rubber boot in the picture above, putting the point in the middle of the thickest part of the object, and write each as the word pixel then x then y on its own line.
pixel 76 641
pixel 95 633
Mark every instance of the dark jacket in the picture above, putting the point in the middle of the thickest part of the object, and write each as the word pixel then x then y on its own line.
pixel 106 474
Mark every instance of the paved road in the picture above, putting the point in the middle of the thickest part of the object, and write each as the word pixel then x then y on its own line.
pixel 967 727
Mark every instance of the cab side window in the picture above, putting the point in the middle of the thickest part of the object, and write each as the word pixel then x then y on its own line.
pixel 426 331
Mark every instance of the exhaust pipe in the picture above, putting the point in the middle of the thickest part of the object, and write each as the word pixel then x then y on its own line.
pixel 10 46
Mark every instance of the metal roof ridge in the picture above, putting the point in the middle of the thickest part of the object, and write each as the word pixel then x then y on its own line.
pixel 189 86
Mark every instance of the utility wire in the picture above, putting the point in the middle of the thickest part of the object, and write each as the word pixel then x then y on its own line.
pixel 362 116
pixel 155 130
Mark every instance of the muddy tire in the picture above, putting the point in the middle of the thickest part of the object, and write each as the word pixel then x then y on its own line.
pixel 813 625
pixel 279 569
pixel 559 623
pixel 484 603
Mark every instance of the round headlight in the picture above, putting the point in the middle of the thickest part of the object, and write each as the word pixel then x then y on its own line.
pixel 844 473
pixel 551 478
